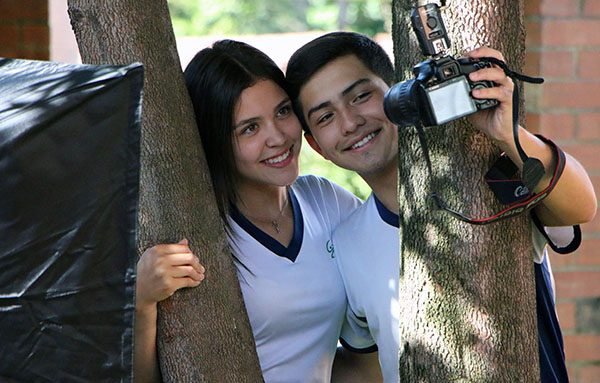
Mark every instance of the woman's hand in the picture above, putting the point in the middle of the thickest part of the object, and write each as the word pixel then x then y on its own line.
pixel 164 269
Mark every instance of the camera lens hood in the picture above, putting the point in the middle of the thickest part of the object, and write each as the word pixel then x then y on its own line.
pixel 400 103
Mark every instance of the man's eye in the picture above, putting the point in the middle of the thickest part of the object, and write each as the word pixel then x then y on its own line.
pixel 362 96
pixel 324 118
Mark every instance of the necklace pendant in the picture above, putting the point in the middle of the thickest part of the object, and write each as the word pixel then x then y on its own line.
pixel 275 225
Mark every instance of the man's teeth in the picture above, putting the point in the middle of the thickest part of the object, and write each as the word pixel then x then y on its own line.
pixel 279 159
pixel 364 141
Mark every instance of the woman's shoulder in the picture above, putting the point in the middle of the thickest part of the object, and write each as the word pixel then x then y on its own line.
pixel 320 189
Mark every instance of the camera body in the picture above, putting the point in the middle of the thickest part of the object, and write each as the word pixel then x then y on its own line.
pixel 441 89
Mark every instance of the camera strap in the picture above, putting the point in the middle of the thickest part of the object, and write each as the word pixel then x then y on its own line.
pixel 533 169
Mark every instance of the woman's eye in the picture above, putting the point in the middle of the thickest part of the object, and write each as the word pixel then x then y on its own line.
pixel 284 111
pixel 249 129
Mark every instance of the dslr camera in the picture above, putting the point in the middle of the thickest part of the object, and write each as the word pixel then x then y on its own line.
pixel 441 89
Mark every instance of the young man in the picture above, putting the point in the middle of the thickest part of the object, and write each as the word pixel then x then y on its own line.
pixel 338 82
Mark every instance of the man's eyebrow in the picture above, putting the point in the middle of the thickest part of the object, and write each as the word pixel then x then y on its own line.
pixel 344 92
pixel 316 108
pixel 354 85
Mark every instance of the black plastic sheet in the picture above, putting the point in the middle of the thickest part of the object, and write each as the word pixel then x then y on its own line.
pixel 69 176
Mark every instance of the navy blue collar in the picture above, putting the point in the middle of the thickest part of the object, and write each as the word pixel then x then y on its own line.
pixel 290 252
pixel 387 216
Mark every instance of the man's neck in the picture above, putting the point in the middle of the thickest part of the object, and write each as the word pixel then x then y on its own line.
pixel 385 186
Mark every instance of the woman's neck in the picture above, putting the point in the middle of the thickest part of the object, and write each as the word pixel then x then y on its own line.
pixel 262 199
pixel 269 209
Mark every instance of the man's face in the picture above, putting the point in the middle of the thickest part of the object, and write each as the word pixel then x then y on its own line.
pixel 343 106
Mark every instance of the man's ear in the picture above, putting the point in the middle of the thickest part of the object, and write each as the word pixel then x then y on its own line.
pixel 313 143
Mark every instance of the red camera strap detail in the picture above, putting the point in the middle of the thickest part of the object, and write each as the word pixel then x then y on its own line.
pixel 518 207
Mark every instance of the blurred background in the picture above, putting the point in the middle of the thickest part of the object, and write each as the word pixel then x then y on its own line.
pixel 563 46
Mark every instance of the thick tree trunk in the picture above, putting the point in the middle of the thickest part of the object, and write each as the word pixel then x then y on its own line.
pixel 203 333
pixel 467 292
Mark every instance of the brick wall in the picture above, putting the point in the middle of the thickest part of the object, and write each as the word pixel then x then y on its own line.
pixel 563 46
pixel 24 29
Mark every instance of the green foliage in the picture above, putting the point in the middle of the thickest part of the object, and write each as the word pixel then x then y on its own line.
pixel 312 163
pixel 234 17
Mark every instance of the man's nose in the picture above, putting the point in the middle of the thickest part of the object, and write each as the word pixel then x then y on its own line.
pixel 351 120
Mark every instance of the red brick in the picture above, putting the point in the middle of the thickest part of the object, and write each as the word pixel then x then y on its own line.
pixel 9 36
pixel 577 284
pixel 572 371
pixel 572 32
pixel 582 347
pixel 587 255
pixel 24 10
pixel 589 62
pixel 559 7
pixel 532 7
pixel 587 155
pixel 566 315
pixel 588 126
pixel 571 94
pixel 36 35
pixel 532 65
pixel 591 8
pixel 557 126
pixel 594 226
pixel 532 122
pixel 557 64
pixel 34 53
pixel 588 374
pixel 533 31
pixel 9 53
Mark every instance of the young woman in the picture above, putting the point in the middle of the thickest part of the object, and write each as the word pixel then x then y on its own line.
pixel 279 225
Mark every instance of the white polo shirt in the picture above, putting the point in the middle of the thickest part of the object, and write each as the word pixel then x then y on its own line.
pixel 367 248
pixel 294 295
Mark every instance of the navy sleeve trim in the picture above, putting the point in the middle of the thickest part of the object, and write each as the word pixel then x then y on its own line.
pixel 366 350
pixel 571 247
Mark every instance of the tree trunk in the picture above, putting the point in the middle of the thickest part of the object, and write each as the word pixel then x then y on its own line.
pixel 467 292
pixel 203 333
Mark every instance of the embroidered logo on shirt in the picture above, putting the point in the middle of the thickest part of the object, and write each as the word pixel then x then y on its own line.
pixel 330 249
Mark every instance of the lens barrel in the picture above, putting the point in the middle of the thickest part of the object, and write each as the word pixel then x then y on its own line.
pixel 400 103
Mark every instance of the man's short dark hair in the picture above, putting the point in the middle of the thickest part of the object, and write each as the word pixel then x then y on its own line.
pixel 311 57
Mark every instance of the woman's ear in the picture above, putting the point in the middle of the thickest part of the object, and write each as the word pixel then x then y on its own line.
pixel 313 143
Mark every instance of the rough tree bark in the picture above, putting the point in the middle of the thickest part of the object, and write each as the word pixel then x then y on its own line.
pixel 467 292
pixel 203 333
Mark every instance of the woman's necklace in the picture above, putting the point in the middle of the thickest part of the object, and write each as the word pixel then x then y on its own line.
pixel 274 222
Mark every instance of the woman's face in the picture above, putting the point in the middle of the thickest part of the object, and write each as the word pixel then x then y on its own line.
pixel 267 136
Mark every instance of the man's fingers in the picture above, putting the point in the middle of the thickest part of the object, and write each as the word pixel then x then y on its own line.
pixel 485 52
pixel 496 75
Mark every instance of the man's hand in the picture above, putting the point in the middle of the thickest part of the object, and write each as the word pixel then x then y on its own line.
pixel 496 122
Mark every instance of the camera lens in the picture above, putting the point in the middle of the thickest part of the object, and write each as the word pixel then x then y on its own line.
pixel 400 103
pixel 432 22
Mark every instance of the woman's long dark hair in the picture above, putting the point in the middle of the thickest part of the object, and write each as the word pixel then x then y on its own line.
pixel 215 79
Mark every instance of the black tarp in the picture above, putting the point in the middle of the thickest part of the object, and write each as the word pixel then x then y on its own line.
pixel 69 176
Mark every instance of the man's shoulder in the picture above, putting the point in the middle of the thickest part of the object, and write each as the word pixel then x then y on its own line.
pixel 363 214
